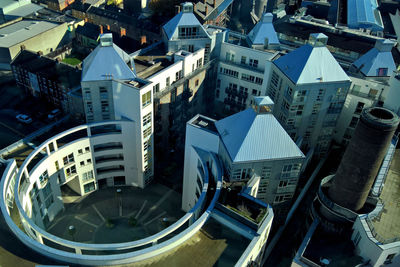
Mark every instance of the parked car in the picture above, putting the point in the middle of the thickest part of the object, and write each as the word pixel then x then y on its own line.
pixel 24 118
pixel 54 113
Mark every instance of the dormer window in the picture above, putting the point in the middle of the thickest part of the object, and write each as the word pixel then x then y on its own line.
pixel 188 32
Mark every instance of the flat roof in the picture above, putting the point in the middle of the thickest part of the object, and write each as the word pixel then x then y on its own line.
pixel 214 245
pixel 326 246
pixel 387 224
pixel 20 31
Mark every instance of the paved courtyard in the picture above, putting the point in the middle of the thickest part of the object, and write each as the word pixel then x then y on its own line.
pixel 152 209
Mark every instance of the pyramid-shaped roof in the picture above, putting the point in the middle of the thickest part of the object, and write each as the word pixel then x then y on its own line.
pixel 378 57
pixel 106 61
pixel 311 64
pixel 263 29
pixel 184 18
pixel 249 136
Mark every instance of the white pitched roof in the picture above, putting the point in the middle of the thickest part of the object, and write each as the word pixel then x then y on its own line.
pixel 249 136
pixel 181 19
pixel 309 64
pixel 263 29
pixel 378 57
pixel 106 61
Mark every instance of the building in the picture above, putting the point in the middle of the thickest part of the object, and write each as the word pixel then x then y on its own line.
pixel 255 151
pixel 115 148
pixel 34 35
pixel 46 78
pixel 215 12
pixel 356 205
pixel 263 35
pixel 364 14
pixel 370 86
pixel 59 5
pixel 309 88
pixel 110 87
pixel 10 9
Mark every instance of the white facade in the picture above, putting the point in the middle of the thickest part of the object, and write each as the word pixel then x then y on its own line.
pixel 392 100
pixel 362 94
pixel 309 89
pixel 376 253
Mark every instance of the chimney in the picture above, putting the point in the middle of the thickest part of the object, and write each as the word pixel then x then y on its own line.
pixel 58 60
pixel 108 27
pixel 23 47
pixel 363 158
pixel 39 53
pixel 101 29
pixel 205 2
pixel 206 11
pixel 214 3
pixel 177 9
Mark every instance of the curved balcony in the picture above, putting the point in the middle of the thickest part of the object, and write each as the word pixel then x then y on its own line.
pixel 83 253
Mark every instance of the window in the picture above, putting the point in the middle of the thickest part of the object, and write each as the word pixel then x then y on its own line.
pixel 146 99
pixel 147 119
pixel 359 108
pixel 87 149
pixel 259 80
pixel 382 71
pixel 178 75
pixel 88 161
pixel 156 88
pixel 56 164
pixel 70 171
pixel 89 187
pixel 167 81
pixel 103 93
pixel 87 176
pixel 199 63
pixel 89 107
pixel 196 83
pixel 82 163
pixel 146 132
pixel 104 106
pixel 80 151
pixel 253 63
pixel 254 92
pixel 230 56
pixel 44 177
pixel 282 198
pixel 191 48
pixel 353 122
pixel 389 258
pixel 218 83
pixel 146 144
pixel 87 95
pixel 68 159
pixel 243 60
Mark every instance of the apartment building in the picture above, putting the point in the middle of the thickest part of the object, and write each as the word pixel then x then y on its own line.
pixel 111 91
pixel 255 151
pixel 47 78
pixel 370 78
pixel 309 88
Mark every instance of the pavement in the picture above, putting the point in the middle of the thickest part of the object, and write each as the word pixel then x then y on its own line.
pixel 90 215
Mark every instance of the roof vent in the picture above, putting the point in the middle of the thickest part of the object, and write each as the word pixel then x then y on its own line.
pixel 318 39
pixel 106 39
pixel 187 7
pixel 267 17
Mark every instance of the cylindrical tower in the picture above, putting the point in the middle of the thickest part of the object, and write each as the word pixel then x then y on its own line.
pixel 363 157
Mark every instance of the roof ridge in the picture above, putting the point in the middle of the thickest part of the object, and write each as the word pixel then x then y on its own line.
pixel 247 133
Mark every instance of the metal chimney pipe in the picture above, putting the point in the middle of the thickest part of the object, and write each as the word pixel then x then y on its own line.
pixel 363 158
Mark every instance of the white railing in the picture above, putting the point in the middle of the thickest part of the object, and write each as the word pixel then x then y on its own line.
pixel 36 235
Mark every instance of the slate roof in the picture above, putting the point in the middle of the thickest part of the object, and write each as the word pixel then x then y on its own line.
pixel 309 64
pixel 263 29
pixel 376 58
pixel 106 60
pixel 249 136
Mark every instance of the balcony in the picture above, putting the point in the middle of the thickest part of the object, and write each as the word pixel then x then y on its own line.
pixel 231 91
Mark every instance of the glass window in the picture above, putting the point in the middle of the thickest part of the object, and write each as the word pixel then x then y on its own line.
pixel 146 99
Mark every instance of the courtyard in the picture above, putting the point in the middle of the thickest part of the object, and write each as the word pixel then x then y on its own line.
pixel 108 216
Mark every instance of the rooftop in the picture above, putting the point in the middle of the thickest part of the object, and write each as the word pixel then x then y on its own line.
pixel 364 14
pixel 107 60
pixel 57 71
pixel 311 63
pixel 20 31
pixel 325 246
pixel 249 136
pixel 387 224
pixel 212 11
pixel 264 30
pixel 379 57
pixel 214 245
pixel 204 122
